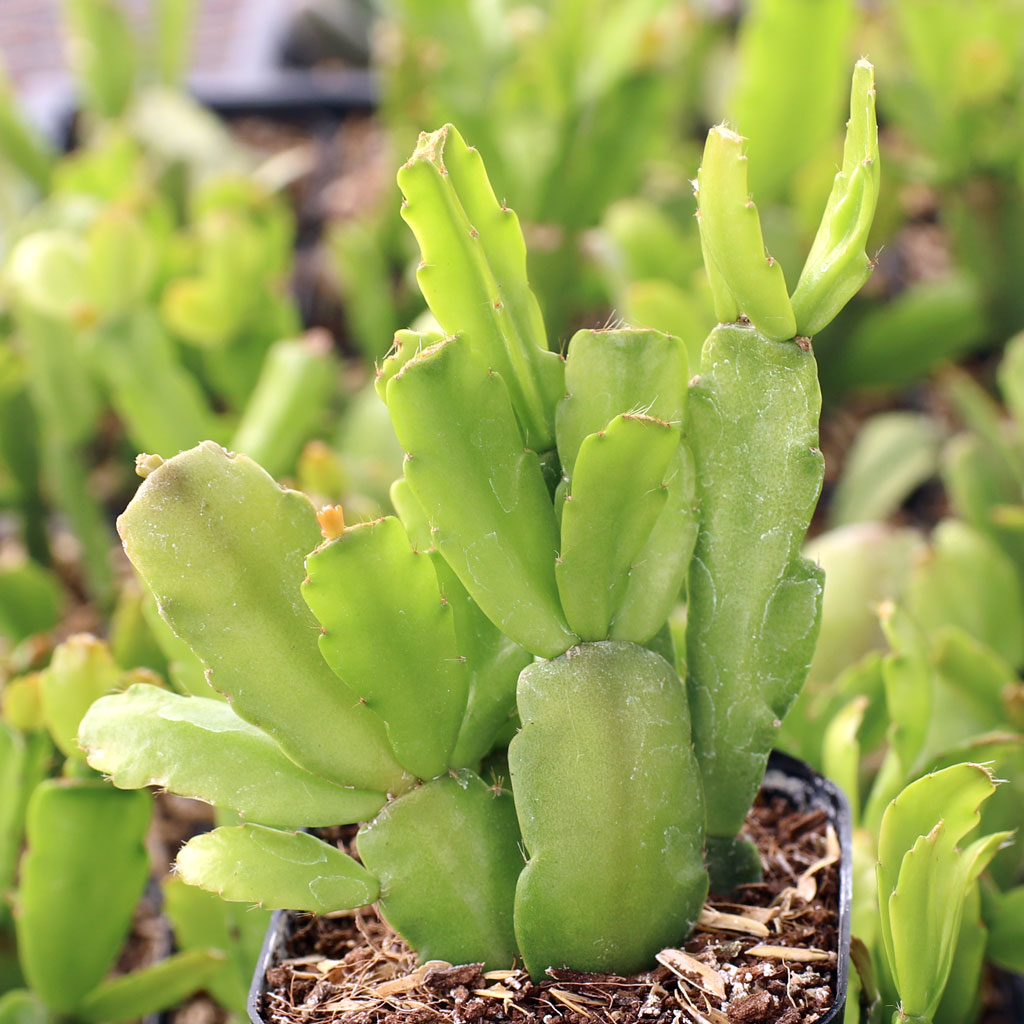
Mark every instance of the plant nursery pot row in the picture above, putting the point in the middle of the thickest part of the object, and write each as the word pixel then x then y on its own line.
pixel 804 792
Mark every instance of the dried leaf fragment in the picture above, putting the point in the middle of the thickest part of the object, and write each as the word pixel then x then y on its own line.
pixel 680 963
pixel 804 956
pixel 409 981
pixel 716 921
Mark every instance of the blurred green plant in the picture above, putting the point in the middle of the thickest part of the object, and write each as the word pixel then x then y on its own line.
pixel 144 293
pixel 540 87
pixel 70 896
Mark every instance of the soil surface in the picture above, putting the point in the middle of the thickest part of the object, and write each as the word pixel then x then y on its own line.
pixel 764 953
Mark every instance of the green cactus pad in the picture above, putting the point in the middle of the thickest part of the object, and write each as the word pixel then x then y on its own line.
pixel 609 799
pixel 754 604
pixel 492 659
pixel 197 747
pixel 730 231
pixel 82 670
pixel 616 495
pixel 277 870
pixel 389 634
pixel 448 856
pixel 221 546
pixel 482 493
pixel 403 348
pixel 473 275
pixel 837 264
pixel 608 373
pixel 658 571
pixel 925 873
pixel 70 929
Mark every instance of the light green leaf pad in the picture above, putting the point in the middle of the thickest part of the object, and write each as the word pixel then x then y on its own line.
pixel 609 799
pixel 657 572
pixel 617 492
pixel 492 660
pixel 81 670
pixel 473 275
pixel 448 856
pixel 925 873
pixel 198 747
pixel 837 264
pixel 222 548
pixel 277 870
pixel 742 273
pixel 754 604
pixel 72 921
pixel 482 492
pixel 389 634
pixel 608 373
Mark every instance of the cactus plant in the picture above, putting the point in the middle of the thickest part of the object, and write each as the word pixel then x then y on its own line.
pixel 72 895
pixel 547 516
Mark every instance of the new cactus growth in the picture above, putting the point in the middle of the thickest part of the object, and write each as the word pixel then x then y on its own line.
pixel 547 516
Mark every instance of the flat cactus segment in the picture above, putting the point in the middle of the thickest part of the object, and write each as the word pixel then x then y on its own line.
pixel 491 658
pixel 658 571
pixel 837 264
pixel 405 345
pixel 82 670
pixel 730 231
pixel 278 870
pixel 609 799
pixel 198 747
pixel 70 929
pixel 612 372
pixel 617 493
pixel 296 383
pixel 473 275
pixel 926 875
pixel 448 856
pixel 389 634
pixel 221 546
pixel 482 492
pixel 754 604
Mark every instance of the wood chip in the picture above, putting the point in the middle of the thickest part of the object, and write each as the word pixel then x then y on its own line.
pixel 716 921
pixel 763 914
pixel 798 955
pixel 680 963
pixel 806 886
pixel 494 992
pixel 409 981
pixel 573 1001
pixel 348 1005
pixel 326 966
pixel 499 975
pixel 560 993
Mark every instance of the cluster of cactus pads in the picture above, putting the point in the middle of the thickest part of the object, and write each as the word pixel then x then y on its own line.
pixel 551 514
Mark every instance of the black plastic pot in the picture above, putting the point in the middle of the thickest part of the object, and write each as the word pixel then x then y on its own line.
pixel 799 784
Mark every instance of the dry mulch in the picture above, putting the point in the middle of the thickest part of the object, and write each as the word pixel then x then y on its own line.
pixel 764 953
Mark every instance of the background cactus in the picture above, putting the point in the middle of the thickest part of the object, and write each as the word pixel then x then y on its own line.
pixel 70 898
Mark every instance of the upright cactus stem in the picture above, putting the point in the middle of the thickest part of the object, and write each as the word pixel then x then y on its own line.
pixel 473 275
pixel 754 604
pixel 837 264
pixel 739 266
pixel 744 278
